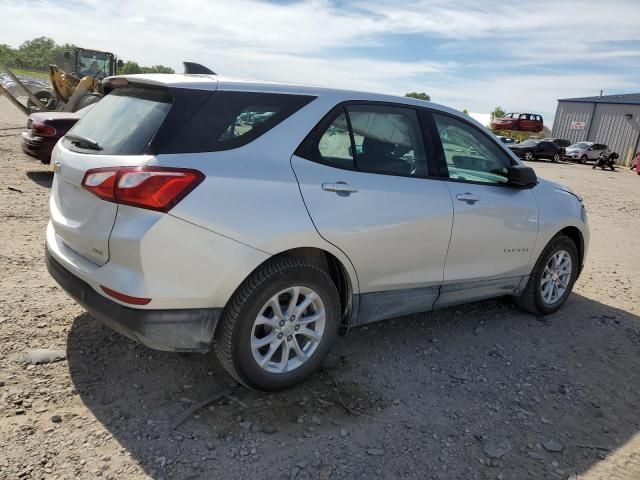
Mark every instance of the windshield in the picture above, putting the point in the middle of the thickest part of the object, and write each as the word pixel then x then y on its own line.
pixel 124 122
pixel 93 64
pixel 581 146
pixel 530 143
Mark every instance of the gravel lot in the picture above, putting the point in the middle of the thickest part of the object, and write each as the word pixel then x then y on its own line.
pixel 475 392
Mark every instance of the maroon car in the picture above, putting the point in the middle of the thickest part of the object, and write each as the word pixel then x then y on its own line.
pixel 44 129
pixel 525 122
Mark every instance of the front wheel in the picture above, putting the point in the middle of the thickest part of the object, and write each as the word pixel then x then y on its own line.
pixel 529 156
pixel 583 159
pixel 279 325
pixel 556 157
pixel 552 278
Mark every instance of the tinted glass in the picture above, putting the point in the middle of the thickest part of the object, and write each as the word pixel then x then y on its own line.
pixel 469 153
pixel 123 122
pixel 335 144
pixel 387 140
pixel 224 120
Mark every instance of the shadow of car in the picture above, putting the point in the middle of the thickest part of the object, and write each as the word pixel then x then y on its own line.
pixel 483 367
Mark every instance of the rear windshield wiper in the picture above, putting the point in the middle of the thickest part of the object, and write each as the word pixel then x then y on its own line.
pixel 83 142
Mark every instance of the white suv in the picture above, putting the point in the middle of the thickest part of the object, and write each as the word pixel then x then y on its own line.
pixel 192 212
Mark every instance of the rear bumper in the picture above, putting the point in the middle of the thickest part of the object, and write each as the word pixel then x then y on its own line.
pixel 180 330
pixel 38 147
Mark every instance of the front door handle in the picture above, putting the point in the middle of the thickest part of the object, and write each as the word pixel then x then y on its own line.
pixel 341 188
pixel 470 198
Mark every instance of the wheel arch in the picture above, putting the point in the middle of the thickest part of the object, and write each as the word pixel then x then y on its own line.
pixel 343 278
pixel 336 270
pixel 575 234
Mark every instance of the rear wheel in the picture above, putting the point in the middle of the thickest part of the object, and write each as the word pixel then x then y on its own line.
pixel 529 156
pixel 279 325
pixel 552 278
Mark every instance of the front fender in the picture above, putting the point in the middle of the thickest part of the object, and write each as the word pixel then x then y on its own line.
pixel 559 209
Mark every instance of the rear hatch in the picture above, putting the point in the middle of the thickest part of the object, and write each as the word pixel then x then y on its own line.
pixel 116 132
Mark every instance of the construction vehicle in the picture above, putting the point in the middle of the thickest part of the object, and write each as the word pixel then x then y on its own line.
pixel 79 85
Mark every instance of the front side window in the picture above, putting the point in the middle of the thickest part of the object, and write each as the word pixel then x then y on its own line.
pixel 334 146
pixel 470 155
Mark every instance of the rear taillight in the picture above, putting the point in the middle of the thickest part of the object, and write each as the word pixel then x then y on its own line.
pixel 154 188
pixel 43 130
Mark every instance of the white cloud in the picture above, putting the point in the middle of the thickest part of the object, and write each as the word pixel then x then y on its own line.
pixel 309 42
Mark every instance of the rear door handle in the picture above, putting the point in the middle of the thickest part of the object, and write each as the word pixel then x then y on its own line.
pixel 470 198
pixel 341 188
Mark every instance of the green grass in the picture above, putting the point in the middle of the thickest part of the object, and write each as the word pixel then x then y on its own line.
pixel 30 73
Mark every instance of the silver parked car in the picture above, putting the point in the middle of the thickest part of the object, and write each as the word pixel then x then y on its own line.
pixel 194 212
pixel 585 151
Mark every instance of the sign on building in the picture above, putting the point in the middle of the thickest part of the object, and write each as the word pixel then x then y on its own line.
pixel 578 125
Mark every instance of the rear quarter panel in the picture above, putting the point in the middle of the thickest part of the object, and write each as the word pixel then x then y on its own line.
pixel 251 194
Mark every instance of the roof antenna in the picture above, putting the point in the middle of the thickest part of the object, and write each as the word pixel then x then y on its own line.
pixel 601 93
pixel 196 68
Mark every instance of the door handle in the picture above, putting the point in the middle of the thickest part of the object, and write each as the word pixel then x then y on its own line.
pixel 470 198
pixel 341 188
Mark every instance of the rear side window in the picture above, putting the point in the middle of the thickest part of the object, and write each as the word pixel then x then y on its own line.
pixel 369 138
pixel 226 120
pixel 123 122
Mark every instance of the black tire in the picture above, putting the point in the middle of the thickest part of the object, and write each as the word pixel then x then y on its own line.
pixel 531 156
pixel 233 336
pixel 44 96
pixel 583 159
pixel 87 100
pixel 531 298
pixel 556 157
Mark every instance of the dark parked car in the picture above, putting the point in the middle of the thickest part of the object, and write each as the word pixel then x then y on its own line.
pixel 525 122
pixel 534 149
pixel 44 129
pixel 561 142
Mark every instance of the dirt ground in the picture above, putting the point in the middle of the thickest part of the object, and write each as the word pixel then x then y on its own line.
pixel 482 391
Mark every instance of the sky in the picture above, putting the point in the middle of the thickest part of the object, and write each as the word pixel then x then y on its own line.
pixel 520 55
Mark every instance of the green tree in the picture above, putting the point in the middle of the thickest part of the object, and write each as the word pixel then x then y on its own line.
pixel 130 67
pixel 158 69
pixel 7 55
pixel 36 54
pixel 418 95
pixel 497 113
pixel 133 67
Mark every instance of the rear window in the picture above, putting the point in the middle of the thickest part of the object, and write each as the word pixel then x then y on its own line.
pixel 123 122
pixel 224 120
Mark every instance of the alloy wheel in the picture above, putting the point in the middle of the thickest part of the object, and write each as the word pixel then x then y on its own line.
pixel 288 329
pixel 556 277
pixel 528 156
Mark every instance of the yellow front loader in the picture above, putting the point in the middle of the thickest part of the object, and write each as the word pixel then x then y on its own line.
pixel 71 90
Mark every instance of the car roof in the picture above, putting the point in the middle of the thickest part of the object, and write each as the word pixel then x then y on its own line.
pixel 220 82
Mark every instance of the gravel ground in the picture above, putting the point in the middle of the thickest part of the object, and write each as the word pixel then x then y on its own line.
pixel 475 392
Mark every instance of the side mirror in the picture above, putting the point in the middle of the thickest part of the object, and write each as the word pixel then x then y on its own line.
pixel 521 176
